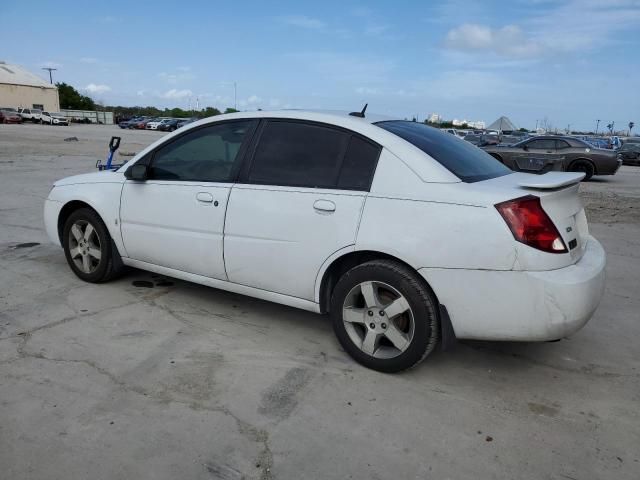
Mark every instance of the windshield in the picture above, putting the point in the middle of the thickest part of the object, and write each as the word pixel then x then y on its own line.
pixel 464 160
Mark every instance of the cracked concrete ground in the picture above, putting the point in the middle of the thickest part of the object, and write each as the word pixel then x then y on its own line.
pixel 173 380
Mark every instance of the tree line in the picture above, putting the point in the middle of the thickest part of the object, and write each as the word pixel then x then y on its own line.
pixel 71 99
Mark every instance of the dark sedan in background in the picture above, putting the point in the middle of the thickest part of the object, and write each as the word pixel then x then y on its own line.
pixel 546 153
pixel 630 153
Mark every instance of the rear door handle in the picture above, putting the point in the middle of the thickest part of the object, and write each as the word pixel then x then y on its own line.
pixel 204 197
pixel 324 205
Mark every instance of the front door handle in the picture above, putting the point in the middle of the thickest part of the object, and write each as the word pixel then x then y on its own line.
pixel 324 205
pixel 204 197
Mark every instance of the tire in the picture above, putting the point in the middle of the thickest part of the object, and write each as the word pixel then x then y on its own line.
pixel 81 248
pixel 584 166
pixel 360 321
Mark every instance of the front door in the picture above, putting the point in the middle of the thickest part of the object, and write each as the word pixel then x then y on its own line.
pixel 175 219
pixel 537 155
pixel 299 202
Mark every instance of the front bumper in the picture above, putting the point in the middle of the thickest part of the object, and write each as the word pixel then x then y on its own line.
pixel 525 305
pixel 51 214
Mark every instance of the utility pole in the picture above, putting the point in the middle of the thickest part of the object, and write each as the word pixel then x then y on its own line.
pixel 597 125
pixel 235 96
pixel 50 70
pixel 536 126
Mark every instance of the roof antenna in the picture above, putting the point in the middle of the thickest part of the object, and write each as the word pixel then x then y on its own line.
pixel 360 114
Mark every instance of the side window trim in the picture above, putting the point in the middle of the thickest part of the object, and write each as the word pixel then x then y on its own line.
pixel 149 158
pixel 251 153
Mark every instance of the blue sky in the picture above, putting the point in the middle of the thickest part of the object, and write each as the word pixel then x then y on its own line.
pixel 569 61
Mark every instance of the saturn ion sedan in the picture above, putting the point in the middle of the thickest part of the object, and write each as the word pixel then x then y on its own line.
pixel 405 235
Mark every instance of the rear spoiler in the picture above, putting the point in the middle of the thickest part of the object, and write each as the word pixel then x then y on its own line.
pixel 551 180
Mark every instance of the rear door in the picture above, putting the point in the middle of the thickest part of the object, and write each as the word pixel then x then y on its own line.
pixel 298 201
pixel 175 219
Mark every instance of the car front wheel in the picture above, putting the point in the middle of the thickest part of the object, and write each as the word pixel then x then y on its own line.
pixel 88 247
pixel 385 316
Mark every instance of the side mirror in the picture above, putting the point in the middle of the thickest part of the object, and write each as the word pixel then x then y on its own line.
pixel 525 148
pixel 137 172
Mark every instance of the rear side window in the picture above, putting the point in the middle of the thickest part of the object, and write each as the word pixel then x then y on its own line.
pixel 359 165
pixel 466 161
pixel 542 144
pixel 314 156
pixel 560 144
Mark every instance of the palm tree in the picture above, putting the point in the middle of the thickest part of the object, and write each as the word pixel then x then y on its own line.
pixel 631 125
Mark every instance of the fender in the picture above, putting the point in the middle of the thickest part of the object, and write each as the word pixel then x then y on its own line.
pixel 103 197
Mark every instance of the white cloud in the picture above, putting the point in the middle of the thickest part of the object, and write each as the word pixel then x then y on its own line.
pixel 50 64
pixel 251 101
pixel 89 60
pixel 93 88
pixel 303 21
pixel 184 74
pixel 573 26
pixel 367 91
pixel 174 94
pixel 508 41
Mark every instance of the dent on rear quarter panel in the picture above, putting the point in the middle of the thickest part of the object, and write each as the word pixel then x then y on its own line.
pixel 430 234
pixel 419 223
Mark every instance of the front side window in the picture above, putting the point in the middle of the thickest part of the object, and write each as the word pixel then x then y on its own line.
pixel 298 154
pixel 208 154
pixel 466 161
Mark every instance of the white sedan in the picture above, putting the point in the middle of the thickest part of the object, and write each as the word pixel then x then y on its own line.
pixel 404 234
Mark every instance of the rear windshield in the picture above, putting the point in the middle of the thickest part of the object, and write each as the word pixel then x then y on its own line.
pixel 466 161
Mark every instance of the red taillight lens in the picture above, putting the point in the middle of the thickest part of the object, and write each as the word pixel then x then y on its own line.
pixel 531 225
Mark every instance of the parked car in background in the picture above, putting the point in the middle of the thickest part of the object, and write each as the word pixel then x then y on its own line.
pixel 377 223
pixel 30 114
pixel 482 140
pixel 546 153
pixel 154 124
pixel 169 125
pixel 9 116
pixel 598 142
pixel 142 124
pixel 54 118
pixel 630 153
pixel 127 123
pixel 186 121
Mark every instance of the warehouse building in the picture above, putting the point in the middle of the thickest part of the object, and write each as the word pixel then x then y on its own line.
pixel 21 88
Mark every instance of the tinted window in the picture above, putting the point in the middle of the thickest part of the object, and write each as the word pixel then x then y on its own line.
pixel 562 144
pixel 468 162
pixel 298 154
pixel 542 144
pixel 206 154
pixel 359 165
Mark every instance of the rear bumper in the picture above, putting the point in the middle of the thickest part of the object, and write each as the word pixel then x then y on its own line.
pixel 521 306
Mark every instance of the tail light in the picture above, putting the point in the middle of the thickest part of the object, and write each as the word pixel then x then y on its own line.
pixel 531 225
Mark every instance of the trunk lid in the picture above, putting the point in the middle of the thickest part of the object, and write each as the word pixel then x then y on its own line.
pixel 558 193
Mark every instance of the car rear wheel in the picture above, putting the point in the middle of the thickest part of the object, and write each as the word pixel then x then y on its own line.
pixel 88 247
pixel 585 167
pixel 385 316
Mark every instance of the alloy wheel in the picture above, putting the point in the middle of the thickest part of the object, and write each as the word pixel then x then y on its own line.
pixel 84 246
pixel 378 319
